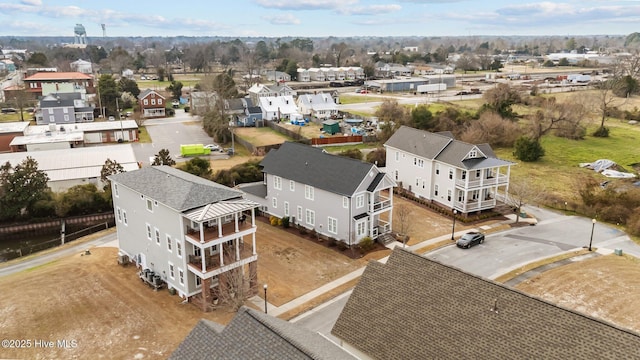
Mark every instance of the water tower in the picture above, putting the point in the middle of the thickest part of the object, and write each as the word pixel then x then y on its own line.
pixel 80 35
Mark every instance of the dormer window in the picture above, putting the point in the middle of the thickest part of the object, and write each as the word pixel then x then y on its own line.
pixel 473 154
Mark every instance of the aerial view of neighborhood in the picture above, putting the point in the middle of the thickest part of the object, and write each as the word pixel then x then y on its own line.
pixel 272 179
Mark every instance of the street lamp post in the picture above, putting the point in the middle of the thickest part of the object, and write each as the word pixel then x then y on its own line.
pixel 265 297
pixel 453 228
pixel 593 225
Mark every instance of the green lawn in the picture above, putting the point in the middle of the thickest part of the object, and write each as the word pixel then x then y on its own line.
pixel 353 99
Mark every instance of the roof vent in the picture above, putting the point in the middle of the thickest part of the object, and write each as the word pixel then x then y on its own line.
pixel 494 308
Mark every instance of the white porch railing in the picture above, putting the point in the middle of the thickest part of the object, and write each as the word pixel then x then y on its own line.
pixel 497 180
pixel 475 205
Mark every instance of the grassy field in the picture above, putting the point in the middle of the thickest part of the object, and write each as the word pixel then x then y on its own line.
pixel 261 136
pixel 359 99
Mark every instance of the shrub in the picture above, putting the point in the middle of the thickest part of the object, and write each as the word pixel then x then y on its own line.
pixel 366 244
pixel 602 131
pixel 342 245
pixel 285 222
pixel 274 220
pixel 333 242
pixel 302 230
pixel 527 149
pixel 633 224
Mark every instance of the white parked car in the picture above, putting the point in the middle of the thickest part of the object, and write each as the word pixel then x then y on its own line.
pixel 112 118
pixel 213 147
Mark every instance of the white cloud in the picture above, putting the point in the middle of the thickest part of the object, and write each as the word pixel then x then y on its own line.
pixel 305 4
pixel 369 10
pixel 32 2
pixel 282 19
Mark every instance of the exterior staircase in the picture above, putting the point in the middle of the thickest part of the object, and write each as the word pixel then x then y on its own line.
pixel 386 239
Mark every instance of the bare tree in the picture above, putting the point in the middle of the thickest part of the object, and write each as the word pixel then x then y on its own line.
pixel 404 214
pixel 235 286
pixel 565 119
pixel 521 193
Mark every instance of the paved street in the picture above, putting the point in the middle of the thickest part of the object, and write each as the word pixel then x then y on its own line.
pixel 501 253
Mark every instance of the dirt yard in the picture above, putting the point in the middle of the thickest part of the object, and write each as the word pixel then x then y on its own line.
pixel 605 287
pixel 111 314
pixel 260 136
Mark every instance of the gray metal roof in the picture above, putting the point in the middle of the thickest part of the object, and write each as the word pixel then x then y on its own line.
pixel 14 127
pixel 174 188
pixel 315 167
pixel 254 335
pixel 417 308
pixel 219 209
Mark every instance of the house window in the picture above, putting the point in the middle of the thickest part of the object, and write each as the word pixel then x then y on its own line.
pixel 198 281
pixel 149 232
pixel 149 205
pixel 435 190
pixel 332 225
pixel 437 169
pixel 277 182
pixel 417 182
pixel 50 111
pixel 181 274
pixel 460 195
pixel 157 236
pixel 153 101
pixel 473 154
pixel 397 156
pixel 424 184
pixel 361 228
pixel 418 162
pixel 274 203
pixel 360 201
pixel 159 101
pixel 169 246
pixel 451 174
pixel 286 208
pixel 124 217
pixel 172 273
pixel 119 212
pixel 396 175
pixel 299 213
pixel 489 173
pixel 345 202
pixel 66 118
pixel 146 102
pixel 475 194
pixel 292 185
pixel 464 174
pixel 52 119
pixel 477 173
pixel 310 217
pixel 115 187
pixel 449 195
pixel 308 192
pixel 65 110
pixel 178 248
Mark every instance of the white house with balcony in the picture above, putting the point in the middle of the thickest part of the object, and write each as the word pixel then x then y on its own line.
pixel 191 232
pixel 338 197
pixel 452 173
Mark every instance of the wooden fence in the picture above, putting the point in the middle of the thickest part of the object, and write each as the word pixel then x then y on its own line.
pixel 16 231
pixel 338 140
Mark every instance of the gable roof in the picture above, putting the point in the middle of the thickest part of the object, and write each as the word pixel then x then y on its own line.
pixel 174 188
pixel 60 99
pixel 254 335
pixel 147 92
pixel 442 147
pixel 53 76
pixel 315 167
pixel 431 310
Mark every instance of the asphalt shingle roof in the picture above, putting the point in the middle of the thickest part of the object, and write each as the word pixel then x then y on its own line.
pixel 442 147
pixel 416 308
pixel 174 188
pixel 254 335
pixel 314 167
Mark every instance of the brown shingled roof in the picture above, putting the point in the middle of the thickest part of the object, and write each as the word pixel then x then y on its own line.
pixel 416 308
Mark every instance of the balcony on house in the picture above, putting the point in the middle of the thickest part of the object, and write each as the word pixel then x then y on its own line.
pixel 211 261
pixel 380 203
pixel 210 232
pixel 474 205
pixel 383 227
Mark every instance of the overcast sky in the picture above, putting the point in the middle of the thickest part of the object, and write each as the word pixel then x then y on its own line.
pixel 278 18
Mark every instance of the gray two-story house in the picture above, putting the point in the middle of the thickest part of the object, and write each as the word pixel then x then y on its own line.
pixel 190 231
pixel 455 174
pixel 63 108
pixel 339 197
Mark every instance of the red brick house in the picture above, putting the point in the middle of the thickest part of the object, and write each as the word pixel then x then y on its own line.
pixel 152 104
pixel 44 83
